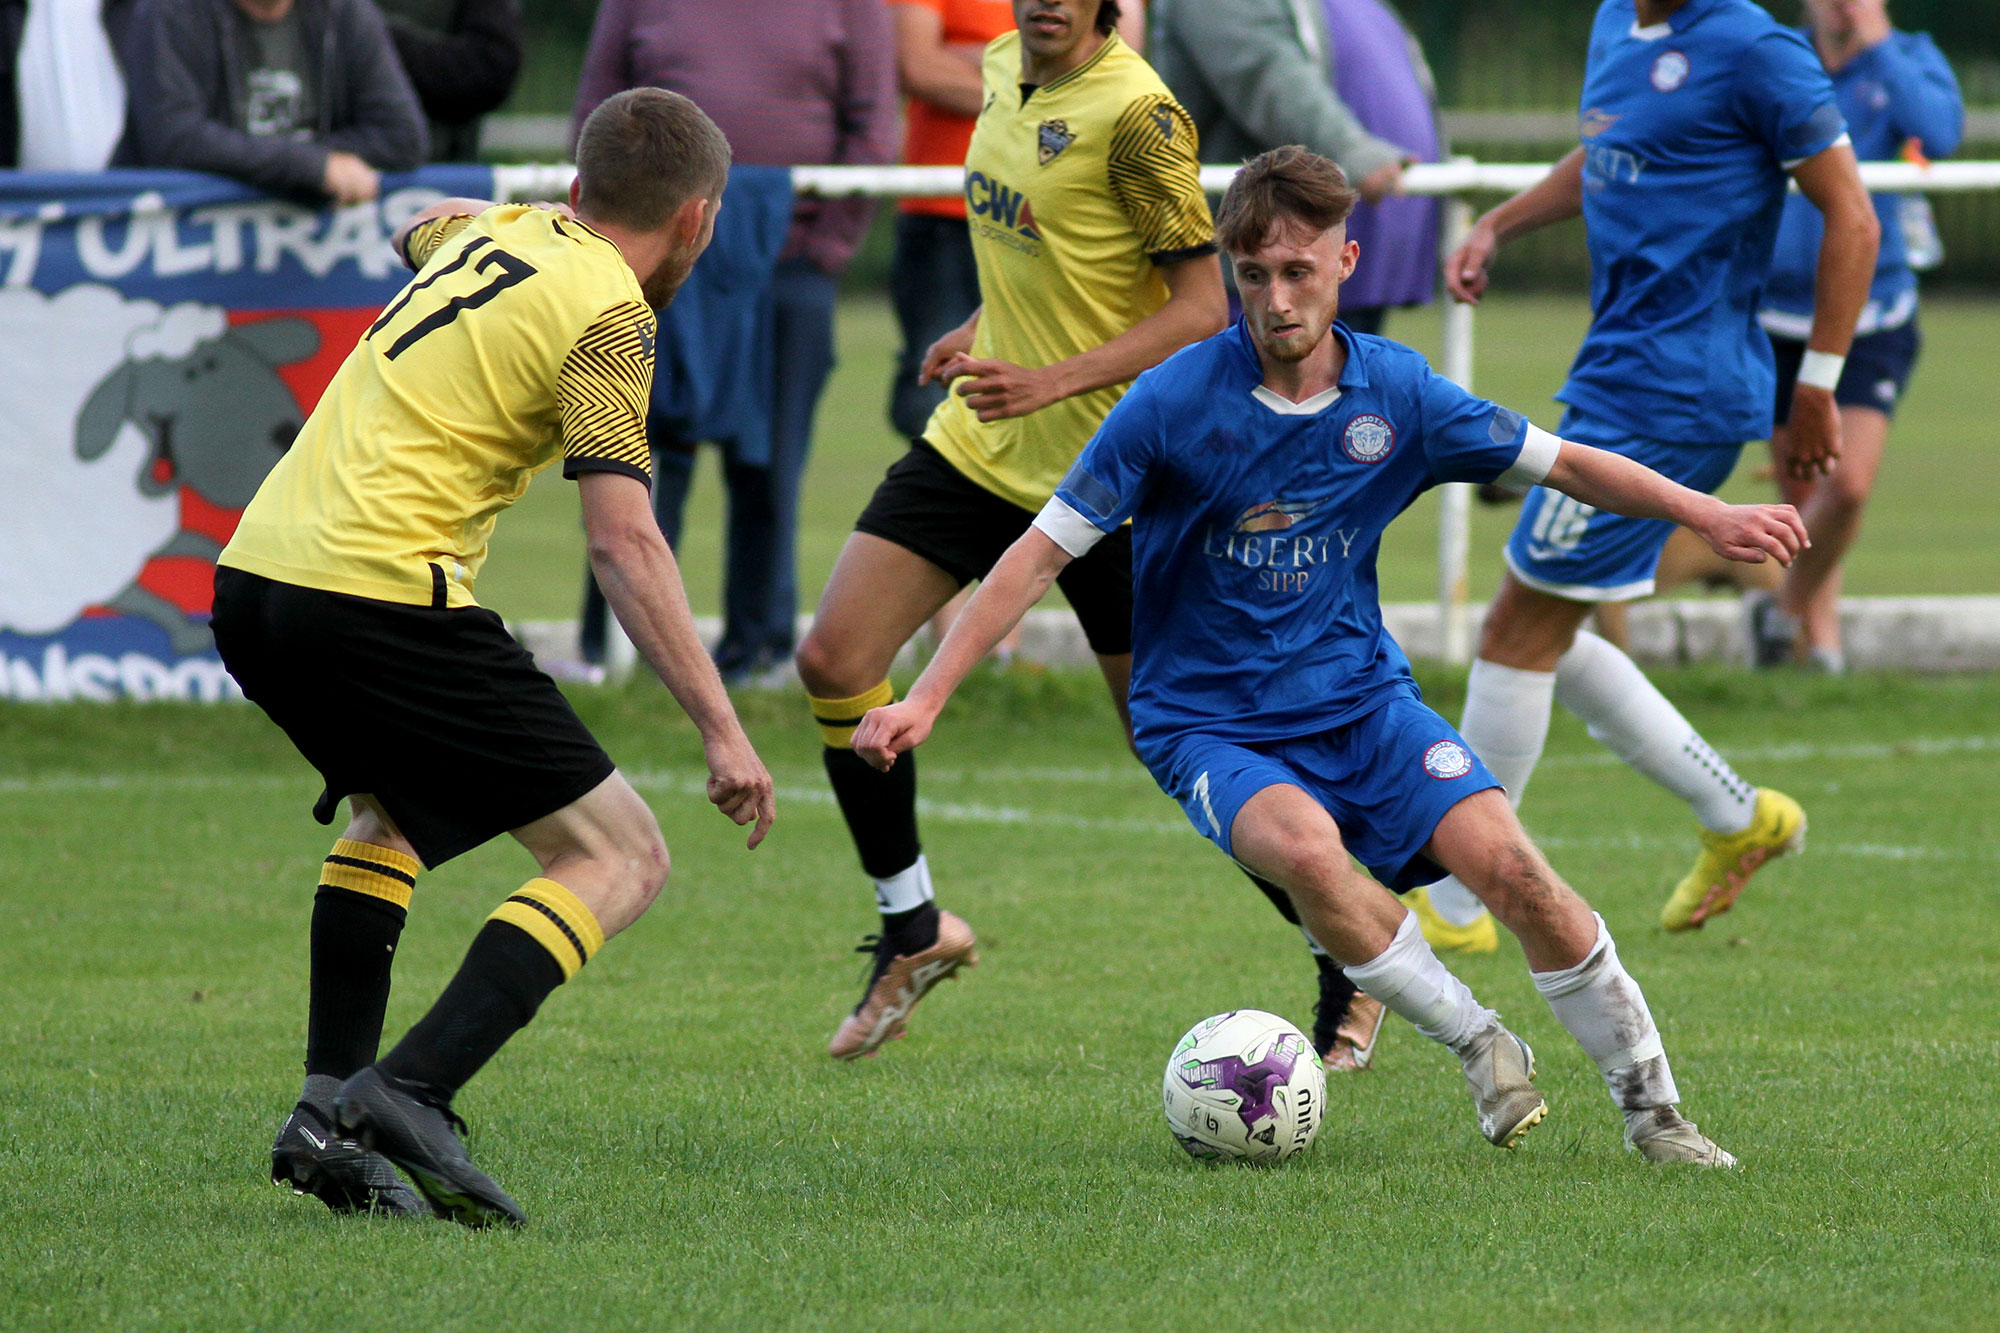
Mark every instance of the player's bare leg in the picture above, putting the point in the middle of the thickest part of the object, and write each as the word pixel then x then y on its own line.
pixel 602 864
pixel 1283 835
pixel 878 596
pixel 1346 1023
pixel 1576 968
pixel 1832 507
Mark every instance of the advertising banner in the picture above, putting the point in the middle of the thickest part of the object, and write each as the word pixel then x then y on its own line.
pixel 163 336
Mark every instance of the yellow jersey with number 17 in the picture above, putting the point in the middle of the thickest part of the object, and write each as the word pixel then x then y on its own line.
pixel 524 337
pixel 1076 192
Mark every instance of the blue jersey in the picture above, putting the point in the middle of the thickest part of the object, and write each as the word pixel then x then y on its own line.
pixel 1255 524
pixel 1898 91
pixel 1689 127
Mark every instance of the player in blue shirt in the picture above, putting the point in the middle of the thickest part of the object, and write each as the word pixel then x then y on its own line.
pixel 1895 89
pixel 1695 116
pixel 1259 468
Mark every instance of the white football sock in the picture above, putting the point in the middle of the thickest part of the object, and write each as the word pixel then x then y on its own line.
pixel 1629 715
pixel 1312 945
pixel 906 889
pixel 1604 1009
pixel 1409 979
pixel 1506 722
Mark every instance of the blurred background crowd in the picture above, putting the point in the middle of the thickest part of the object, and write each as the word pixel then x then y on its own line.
pixel 315 99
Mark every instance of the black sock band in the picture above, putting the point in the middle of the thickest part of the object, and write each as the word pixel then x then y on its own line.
pixel 1279 898
pixel 506 975
pixel 880 809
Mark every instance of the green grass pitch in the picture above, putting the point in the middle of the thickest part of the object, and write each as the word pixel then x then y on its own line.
pixel 691 1159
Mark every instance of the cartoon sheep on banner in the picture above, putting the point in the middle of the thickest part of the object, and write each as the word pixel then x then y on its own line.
pixel 111 405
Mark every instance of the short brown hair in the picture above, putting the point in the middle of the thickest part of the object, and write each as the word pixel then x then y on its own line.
pixel 644 153
pixel 1288 185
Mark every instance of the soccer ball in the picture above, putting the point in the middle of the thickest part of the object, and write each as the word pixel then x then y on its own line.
pixel 1244 1085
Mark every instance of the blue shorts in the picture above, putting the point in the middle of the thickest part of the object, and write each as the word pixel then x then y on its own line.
pixel 1386 778
pixel 1879 366
pixel 1569 549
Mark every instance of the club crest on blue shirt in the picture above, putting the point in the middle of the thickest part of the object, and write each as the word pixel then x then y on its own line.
pixel 1054 136
pixel 1670 71
pixel 1368 438
pixel 1447 760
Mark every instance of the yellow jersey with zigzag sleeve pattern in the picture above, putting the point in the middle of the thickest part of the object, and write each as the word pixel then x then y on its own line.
pixel 522 339
pixel 1076 192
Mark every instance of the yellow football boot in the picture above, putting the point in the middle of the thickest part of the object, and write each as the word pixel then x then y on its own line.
pixel 1728 860
pixel 1444 937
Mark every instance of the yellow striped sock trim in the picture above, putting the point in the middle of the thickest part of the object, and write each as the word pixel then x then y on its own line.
pixel 838 718
pixel 379 872
pixel 558 921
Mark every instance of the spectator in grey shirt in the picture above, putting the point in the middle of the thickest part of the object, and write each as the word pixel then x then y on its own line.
pixel 1254 75
pixel 298 97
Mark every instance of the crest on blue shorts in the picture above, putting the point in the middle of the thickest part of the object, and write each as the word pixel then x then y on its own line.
pixel 1447 760
pixel 1368 438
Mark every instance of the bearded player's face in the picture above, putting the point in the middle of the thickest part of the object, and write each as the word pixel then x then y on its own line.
pixel 1290 288
pixel 688 236
pixel 1051 29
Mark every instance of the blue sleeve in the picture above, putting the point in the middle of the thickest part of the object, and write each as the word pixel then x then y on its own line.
pixel 1785 99
pixel 1110 477
pixel 1467 438
pixel 1924 101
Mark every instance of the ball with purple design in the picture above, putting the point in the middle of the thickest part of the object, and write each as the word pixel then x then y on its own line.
pixel 1245 1085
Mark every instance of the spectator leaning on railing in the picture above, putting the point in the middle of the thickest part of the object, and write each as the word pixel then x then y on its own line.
pixel 292 96
pixel 463 57
pixel 62 86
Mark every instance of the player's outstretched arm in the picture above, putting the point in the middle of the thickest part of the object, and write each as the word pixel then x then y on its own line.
pixel 1016 583
pixel 642 583
pixel 1196 307
pixel 1604 480
pixel 1832 181
pixel 443 208
pixel 1557 197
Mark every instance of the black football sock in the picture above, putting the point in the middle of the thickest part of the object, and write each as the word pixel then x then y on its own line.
pixel 533 942
pixel 881 814
pixel 358 914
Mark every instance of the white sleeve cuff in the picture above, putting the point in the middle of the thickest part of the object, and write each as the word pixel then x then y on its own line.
pixel 1062 524
pixel 1798 162
pixel 1532 464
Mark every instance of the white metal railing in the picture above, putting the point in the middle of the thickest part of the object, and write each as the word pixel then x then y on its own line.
pixel 1454 179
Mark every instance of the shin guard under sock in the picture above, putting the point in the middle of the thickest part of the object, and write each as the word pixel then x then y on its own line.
pixel 358 914
pixel 1603 1008
pixel 1408 978
pixel 533 942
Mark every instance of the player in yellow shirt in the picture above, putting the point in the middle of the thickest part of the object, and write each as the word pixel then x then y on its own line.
pixel 344 607
pixel 1096 256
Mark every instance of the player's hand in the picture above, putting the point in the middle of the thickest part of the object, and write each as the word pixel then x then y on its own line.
pixel 1465 273
pixel 887 732
pixel 996 390
pixel 739 785
pixel 1813 432
pixel 945 350
pixel 1382 182
pixel 1754 533
pixel 349 180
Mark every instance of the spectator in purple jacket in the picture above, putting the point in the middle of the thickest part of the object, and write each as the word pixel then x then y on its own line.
pixel 1380 73
pixel 791 83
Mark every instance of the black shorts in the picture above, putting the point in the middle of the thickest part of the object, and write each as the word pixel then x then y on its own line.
pixel 438 714
pixel 930 508
pixel 1878 369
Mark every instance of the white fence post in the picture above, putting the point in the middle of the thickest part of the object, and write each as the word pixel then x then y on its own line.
pixel 1455 498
